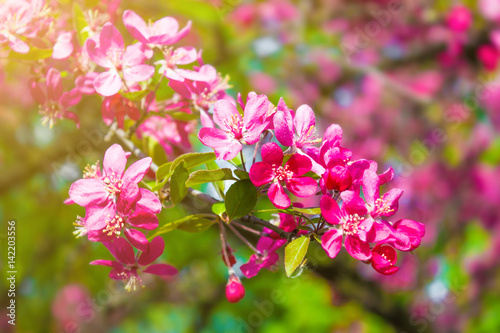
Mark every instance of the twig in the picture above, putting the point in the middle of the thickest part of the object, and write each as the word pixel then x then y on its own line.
pixel 242 238
pixel 224 246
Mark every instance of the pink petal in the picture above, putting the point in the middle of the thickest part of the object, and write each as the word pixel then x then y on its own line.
pixel 134 55
pixel 283 127
pixel 110 39
pixel 109 263
pixel 136 26
pixel 331 242
pixel 144 220
pixel 330 210
pixel 148 202
pixel 137 239
pixel 18 45
pixel 97 217
pixel 114 161
pixel 272 154
pixel 225 113
pixel 165 26
pixel 357 249
pixel 70 98
pixel 412 229
pixel 371 186
pixel 255 111
pixel 304 120
pixel 121 250
pixel 138 73
pixel 161 269
pixel 299 164
pixel 334 135
pixel 136 172
pixel 261 173
pixel 37 93
pixel 96 55
pixel 225 147
pixel 156 248
pixel 278 196
pixel 87 192
pixel 302 187
pixel 63 46
pixel 251 268
pixel 54 84
pixel 108 83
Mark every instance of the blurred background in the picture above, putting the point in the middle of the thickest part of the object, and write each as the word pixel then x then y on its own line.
pixel 414 85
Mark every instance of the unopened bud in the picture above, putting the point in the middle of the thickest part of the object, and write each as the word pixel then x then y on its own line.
pixel 234 289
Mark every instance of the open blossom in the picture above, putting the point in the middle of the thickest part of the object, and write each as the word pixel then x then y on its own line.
pixel 111 54
pixel 266 258
pixel 127 268
pixel 227 140
pixel 115 185
pixel 175 57
pixel 165 31
pixel 54 103
pixel 377 205
pixel 298 131
pixel 355 227
pixel 406 235
pixel 271 170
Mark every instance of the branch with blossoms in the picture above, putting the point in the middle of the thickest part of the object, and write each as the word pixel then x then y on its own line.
pixel 154 91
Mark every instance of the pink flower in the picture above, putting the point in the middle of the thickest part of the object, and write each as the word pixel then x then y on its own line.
pixel 234 289
pixel 353 225
pixel 115 185
pixel 119 107
pixel 16 21
pixel 54 103
pixel 459 19
pixel 112 55
pixel 266 258
pixel 63 47
pixel 162 32
pixel 271 170
pixel 298 132
pixel 383 259
pixel 406 235
pixel 127 267
pixel 488 55
pixel 175 57
pixel 227 141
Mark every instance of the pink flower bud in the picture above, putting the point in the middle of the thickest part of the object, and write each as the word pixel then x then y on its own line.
pixel 488 56
pixel 234 289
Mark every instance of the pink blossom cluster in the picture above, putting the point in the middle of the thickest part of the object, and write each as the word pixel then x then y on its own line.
pixel 301 164
pixel 115 206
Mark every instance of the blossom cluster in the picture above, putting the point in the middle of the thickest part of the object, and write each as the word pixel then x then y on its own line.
pixel 353 212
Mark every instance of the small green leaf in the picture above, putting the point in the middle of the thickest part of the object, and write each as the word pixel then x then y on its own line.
pixel 295 253
pixel 178 189
pixel 308 211
pixel 241 198
pixel 208 176
pixel 163 171
pixel 135 96
pixel 218 208
pixel 241 174
pixel 191 159
pixel 193 223
pixel 80 24
pixel 220 184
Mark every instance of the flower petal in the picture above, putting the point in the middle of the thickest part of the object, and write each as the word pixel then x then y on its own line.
pixel 161 269
pixel 138 73
pixel 261 173
pixel 108 83
pixel 357 249
pixel 156 248
pixel 330 210
pixel 302 187
pixel 137 239
pixel 136 172
pixel 136 26
pixel 225 114
pixel 331 242
pixel 87 192
pixel 304 120
pixel 225 147
pixel 272 154
pixel 299 164
pixel 278 196
pixel 121 250
pixel 115 161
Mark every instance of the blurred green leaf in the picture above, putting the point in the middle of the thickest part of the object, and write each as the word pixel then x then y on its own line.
pixel 79 23
pixel 33 54
pixel 295 252
pixel 135 96
pixel 190 223
pixel 178 189
pixel 208 176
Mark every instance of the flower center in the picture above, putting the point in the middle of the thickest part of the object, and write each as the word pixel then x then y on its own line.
pixel 134 282
pixel 309 138
pixel 50 111
pixel 351 225
pixel 282 173
pixel 113 226
pixel 80 229
pixel 92 171
pixel 112 184
pixel 382 207
pixel 235 125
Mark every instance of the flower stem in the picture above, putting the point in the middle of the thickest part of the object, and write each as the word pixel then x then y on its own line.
pixel 243 239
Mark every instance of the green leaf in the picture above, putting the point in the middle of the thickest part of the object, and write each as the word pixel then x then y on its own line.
pixel 135 96
pixel 218 208
pixel 295 253
pixel 178 189
pixel 184 116
pixel 207 176
pixel 191 159
pixel 80 24
pixel 220 184
pixel 308 211
pixel 33 54
pixel 163 171
pixel 191 223
pixel 241 174
pixel 241 198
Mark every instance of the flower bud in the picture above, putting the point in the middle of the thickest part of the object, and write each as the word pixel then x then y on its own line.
pixel 234 289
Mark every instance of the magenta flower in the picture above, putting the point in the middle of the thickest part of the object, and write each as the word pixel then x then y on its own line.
pixel 353 225
pixel 383 259
pixel 118 60
pixel 115 186
pixel 162 32
pixel 266 258
pixel 298 132
pixel 16 21
pixel 459 19
pixel 118 107
pixel 54 103
pixel 175 57
pixel 406 235
pixel 271 170
pixel 227 140
pixel 127 267
pixel 377 205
